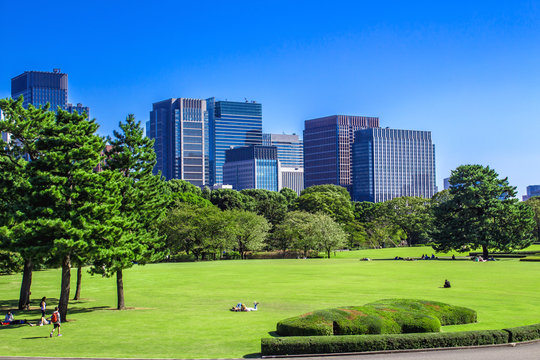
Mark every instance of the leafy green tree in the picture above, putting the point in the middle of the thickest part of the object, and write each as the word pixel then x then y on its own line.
pixel 356 234
pixel 250 230
pixel 22 202
pixel 411 214
pixel 227 199
pixel 534 204
pixel 327 234
pixel 291 196
pixel 365 211
pixel 333 200
pixel 381 233
pixel 270 204
pixel 132 236
pixel 482 211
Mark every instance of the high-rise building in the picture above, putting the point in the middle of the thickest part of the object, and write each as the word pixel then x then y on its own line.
pixel 289 147
pixel 290 151
pixel 252 167
pixel 390 163
pixel 5 136
pixel 231 124
pixel 39 88
pixel 179 127
pixel 532 191
pixel 327 148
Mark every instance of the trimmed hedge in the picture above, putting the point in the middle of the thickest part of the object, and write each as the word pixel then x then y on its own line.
pixel 524 333
pixel 531 258
pixel 382 317
pixel 361 343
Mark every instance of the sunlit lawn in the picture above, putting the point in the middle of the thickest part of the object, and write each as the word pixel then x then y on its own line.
pixel 181 310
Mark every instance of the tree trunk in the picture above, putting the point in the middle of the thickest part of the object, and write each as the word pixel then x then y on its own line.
pixel 120 290
pixel 485 252
pixel 328 252
pixel 79 280
pixel 64 288
pixel 24 297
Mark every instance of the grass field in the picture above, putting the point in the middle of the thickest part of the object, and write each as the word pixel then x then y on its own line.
pixel 181 310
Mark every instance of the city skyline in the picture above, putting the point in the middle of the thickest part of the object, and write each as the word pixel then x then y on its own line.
pixel 466 72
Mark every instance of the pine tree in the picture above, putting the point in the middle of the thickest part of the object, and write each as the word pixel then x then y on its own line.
pixel 132 236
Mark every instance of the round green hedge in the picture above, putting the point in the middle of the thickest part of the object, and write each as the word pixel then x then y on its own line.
pixel 392 316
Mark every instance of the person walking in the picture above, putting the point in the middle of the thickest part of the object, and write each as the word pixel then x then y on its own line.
pixel 43 307
pixel 55 319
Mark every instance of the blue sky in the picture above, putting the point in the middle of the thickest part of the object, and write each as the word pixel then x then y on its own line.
pixel 469 72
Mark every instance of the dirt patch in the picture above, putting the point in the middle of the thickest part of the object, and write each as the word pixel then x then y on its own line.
pixel 353 314
pixel 306 314
pixel 436 307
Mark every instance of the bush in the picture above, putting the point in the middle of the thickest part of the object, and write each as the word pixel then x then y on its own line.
pixel 524 333
pixel 531 258
pixel 382 317
pixel 360 343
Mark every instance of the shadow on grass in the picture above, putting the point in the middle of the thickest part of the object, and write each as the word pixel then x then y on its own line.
pixel 35 337
pixel 252 356
pixel 273 334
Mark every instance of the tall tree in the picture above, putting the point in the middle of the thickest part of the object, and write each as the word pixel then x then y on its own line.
pixel 270 204
pixel 481 211
pixel 333 200
pixel 132 235
pixel 250 230
pixel 327 234
pixel 21 202
pixel 534 204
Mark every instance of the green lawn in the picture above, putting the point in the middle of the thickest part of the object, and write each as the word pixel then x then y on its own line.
pixel 181 310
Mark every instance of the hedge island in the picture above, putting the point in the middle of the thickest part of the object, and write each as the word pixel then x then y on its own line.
pixel 390 316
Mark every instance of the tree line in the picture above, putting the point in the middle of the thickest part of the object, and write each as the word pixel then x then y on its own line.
pixel 58 210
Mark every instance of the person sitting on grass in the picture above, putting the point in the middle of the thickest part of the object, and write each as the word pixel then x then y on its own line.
pixel 447 284
pixel 9 320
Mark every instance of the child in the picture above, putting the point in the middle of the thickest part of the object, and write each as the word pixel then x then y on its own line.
pixel 55 319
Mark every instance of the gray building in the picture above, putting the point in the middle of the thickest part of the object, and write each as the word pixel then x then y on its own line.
pixel 179 127
pixel 327 148
pixel 5 136
pixel 390 163
pixel 40 87
pixel 252 167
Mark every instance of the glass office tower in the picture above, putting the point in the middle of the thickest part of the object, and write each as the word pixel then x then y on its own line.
pixel 39 88
pixel 179 127
pixel 289 147
pixel 252 167
pixel 327 148
pixel 231 124
pixel 390 163
pixel 532 191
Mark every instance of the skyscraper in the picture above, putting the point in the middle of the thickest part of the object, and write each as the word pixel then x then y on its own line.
pixel 532 191
pixel 5 136
pixel 231 124
pixel 327 148
pixel 290 150
pixel 40 87
pixel 390 163
pixel 180 130
pixel 252 167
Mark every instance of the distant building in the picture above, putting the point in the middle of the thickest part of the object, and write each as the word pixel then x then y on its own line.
pixel 446 182
pixel 327 148
pixel 292 178
pixel 390 163
pixel 220 187
pixel 231 124
pixel 532 191
pixel 40 87
pixel 252 167
pixel 179 127
pixel 291 159
pixel 5 136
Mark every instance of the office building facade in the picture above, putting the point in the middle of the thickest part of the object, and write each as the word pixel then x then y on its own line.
pixel 292 178
pixel 40 87
pixel 328 148
pixel 532 191
pixel 179 127
pixel 252 167
pixel 5 136
pixel 289 147
pixel 390 163
pixel 231 124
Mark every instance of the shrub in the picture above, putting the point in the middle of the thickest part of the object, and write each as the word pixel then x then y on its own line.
pixel 531 258
pixel 382 317
pixel 10 262
pixel 524 333
pixel 360 343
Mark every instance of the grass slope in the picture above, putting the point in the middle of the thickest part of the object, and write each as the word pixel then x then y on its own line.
pixel 181 310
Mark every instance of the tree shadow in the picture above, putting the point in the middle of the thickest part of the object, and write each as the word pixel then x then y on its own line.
pixel 35 337
pixel 252 356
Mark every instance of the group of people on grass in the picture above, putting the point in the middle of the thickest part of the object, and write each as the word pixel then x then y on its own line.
pixel 54 318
